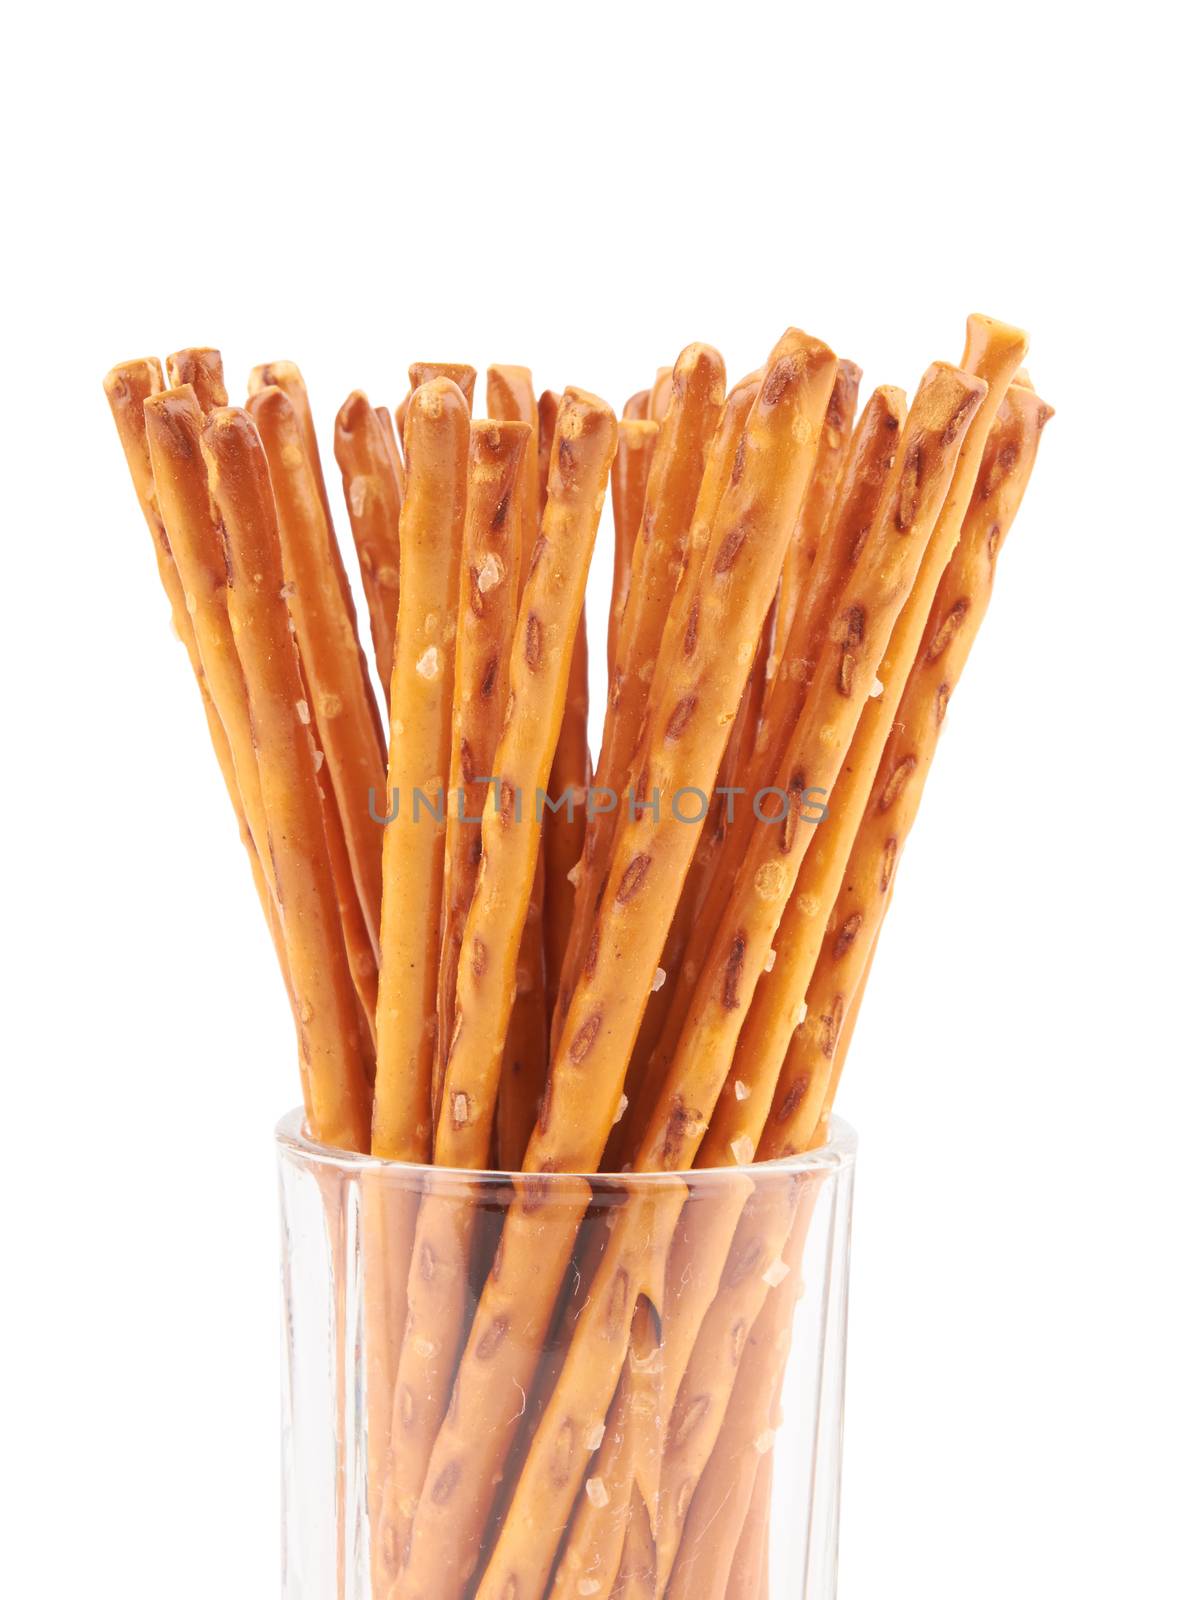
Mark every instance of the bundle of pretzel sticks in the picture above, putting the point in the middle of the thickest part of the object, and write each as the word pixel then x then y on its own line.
pixel 500 954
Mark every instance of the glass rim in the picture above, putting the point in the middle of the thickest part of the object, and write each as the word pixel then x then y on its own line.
pixel 837 1153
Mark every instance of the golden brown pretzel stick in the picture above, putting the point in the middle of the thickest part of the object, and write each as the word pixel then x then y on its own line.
pixel 458 372
pixel 629 480
pixel 173 427
pixel 431 526
pixel 699 690
pixel 698 686
pixel 811 524
pixel 384 417
pixel 202 368
pixel 756 1264
pixel 488 594
pixel 539 674
pixel 635 407
pixel 557 1459
pixel 328 1025
pixel 127 388
pixel 548 406
pixel 637 1567
pixel 486 975
pixel 285 375
pixel 510 394
pixel 728 1474
pixel 341 705
pixel 594 1542
pixel 865 615
pixel 741 1118
pixel 958 607
pixel 869 461
pixel 565 829
pixel 748 1579
pixel 661 394
pixel 373 495
pixel 658 557
pixel 720 463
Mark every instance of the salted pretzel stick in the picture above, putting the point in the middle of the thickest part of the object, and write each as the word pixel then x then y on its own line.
pixel 384 418
pixel 865 615
pixel 629 480
pixel 127 388
pixel 698 687
pixel 202 368
pixel 486 976
pixel 869 461
pixel 594 1542
pixel 811 524
pixel 327 1020
pixel 173 427
pixel 720 463
pixel 510 394
pixel 670 502
pixel 373 494
pixel 637 1567
pixel 565 829
pixel 431 526
pixel 286 376
pixel 958 606
pixel 748 1578
pixel 458 372
pixel 548 406
pixel 539 673
pixel 488 595
pixel 741 1119
pixel 661 394
pixel 341 707
pixel 635 407
pixel 557 1459
pixel 727 1475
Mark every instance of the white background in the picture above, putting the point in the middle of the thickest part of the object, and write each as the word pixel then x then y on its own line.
pixel 586 189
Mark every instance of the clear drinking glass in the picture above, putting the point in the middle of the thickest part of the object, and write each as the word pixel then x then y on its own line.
pixel 549 1387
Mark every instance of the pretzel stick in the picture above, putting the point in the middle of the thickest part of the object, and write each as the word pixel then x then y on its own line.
pixel 629 480
pixel 811 524
pixel 202 368
pixel 699 689
pixel 637 1568
pixel 284 375
pixel 712 1529
pixel 431 529
pixel 658 557
pixel 755 1265
pixel 741 1119
pixel 328 1027
pixel 373 494
pixel 723 453
pixel 957 609
pixel 527 1046
pixel 865 616
pixel 661 394
pixel 384 418
pixel 458 372
pixel 486 977
pixel 748 1579
pixel 127 388
pixel 635 407
pixel 869 461
pixel 489 591
pixel 698 686
pixel 173 425
pixel 594 1542
pixel 556 1463
pixel 341 706
pixel 539 672
pixel 510 394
